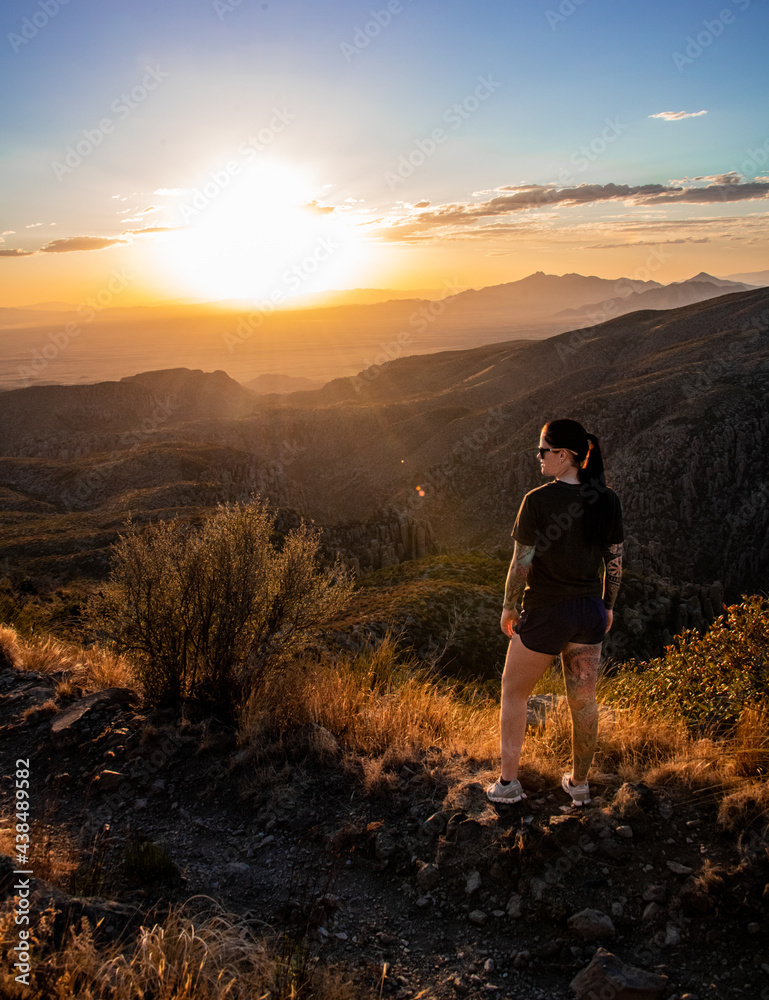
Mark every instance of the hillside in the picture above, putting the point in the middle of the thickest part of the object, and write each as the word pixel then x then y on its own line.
pixel 337 844
pixel 431 451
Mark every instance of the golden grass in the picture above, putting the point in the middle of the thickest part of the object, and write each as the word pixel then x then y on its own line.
pixel 215 957
pixel 375 705
pixel 94 668
pixel 54 853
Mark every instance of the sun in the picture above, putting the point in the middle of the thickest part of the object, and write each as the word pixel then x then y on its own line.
pixel 258 234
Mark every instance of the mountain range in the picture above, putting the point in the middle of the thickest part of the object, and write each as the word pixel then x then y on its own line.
pixel 428 451
pixel 315 343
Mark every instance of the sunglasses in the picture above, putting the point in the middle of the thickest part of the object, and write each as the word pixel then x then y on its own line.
pixel 542 451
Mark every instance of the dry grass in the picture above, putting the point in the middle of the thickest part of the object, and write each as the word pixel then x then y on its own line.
pixel 379 711
pixel 746 806
pixel 54 854
pixel 93 668
pixel 750 743
pixel 214 957
pixel 373 705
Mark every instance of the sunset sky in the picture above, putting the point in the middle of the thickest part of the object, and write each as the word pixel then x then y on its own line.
pixel 170 149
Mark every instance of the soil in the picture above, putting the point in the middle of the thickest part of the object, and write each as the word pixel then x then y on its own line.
pixel 423 889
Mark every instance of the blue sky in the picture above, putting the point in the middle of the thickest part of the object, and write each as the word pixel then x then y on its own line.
pixel 360 100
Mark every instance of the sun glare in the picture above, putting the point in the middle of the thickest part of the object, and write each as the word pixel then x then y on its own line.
pixel 260 234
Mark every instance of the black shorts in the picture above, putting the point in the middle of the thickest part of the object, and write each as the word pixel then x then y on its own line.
pixel 548 630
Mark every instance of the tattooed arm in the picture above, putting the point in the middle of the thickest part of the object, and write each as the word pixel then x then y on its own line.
pixel 613 577
pixel 515 585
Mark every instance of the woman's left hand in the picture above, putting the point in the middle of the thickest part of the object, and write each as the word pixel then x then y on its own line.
pixel 508 621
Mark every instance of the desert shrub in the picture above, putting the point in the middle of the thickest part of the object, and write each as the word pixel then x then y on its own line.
pixel 203 611
pixel 707 681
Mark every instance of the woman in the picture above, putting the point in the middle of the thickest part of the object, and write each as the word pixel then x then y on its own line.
pixel 565 532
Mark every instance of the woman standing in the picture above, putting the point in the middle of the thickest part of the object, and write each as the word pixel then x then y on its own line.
pixel 565 533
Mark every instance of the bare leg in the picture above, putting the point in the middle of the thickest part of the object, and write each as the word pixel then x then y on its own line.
pixel 580 670
pixel 523 668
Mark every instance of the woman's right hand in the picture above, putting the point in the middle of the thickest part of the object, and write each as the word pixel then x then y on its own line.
pixel 508 621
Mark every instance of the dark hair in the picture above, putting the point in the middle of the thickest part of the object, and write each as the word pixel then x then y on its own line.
pixel 596 508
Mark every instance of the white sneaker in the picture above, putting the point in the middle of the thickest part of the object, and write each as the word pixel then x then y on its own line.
pixel 505 794
pixel 580 794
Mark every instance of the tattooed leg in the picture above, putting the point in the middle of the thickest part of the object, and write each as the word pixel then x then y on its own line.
pixel 580 670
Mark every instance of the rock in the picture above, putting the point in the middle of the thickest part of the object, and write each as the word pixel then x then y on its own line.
pixel 565 829
pixel 428 876
pixel 422 902
pixel 488 966
pixel 514 906
pixel 478 917
pixel 651 910
pixel 468 831
pixel 632 799
pixel 617 909
pixel 435 824
pixel 672 935
pixel 625 831
pixel 538 888
pixel 238 868
pixel 613 850
pixel 655 894
pixel 472 883
pixel 384 845
pixel 591 925
pixel 107 781
pixel 521 959
pixel 679 869
pixel 65 725
pixel 539 706
pixel 607 975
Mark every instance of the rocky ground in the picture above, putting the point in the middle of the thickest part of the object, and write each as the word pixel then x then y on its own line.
pixel 423 890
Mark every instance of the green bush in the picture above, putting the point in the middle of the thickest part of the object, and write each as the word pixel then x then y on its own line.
pixel 706 680
pixel 204 611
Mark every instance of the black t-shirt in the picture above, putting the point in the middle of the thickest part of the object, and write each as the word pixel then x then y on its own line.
pixel 565 564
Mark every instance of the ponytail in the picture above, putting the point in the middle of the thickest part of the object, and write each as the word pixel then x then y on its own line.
pixel 571 435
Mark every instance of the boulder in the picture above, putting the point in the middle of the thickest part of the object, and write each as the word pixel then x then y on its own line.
pixel 591 925
pixel 65 724
pixel 607 975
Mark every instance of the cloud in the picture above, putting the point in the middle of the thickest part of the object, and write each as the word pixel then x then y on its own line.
pixel 173 192
pixel 644 243
pixel 152 208
pixel 17 253
pixel 81 243
pixel 315 207
pixel 676 116
pixel 33 225
pixel 153 229
pixel 463 219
